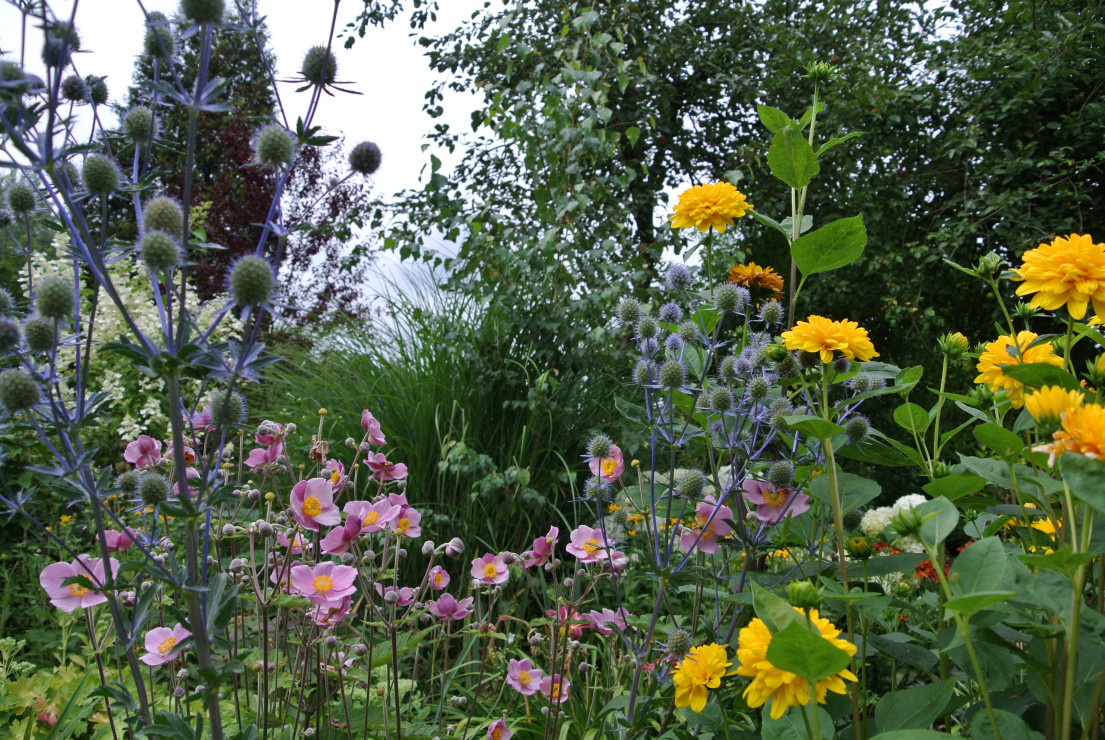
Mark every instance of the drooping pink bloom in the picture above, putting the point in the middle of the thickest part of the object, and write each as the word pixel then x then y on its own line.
pixel 294 546
pixel 143 452
pixel 403 596
pixel 325 582
pixel 384 470
pixel 368 421
pixel 265 456
pixel 774 504
pixel 189 454
pixel 313 504
pixel 118 541
pixel 555 688
pixel 498 730
pixel 605 621
pixel 189 474
pixel 161 644
pixel 76 596
pixel 568 620
pixel 338 478
pixel 490 569
pixel 522 677
pixel 269 433
pixel 588 544
pixel 331 612
pixel 608 468
pixel 438 578
pixel 615 560
pixel 407 523
pixel 339 539
pixel 543 548
pixel 201 420
pixel 707 528
pixel 374 517
pixel 447 608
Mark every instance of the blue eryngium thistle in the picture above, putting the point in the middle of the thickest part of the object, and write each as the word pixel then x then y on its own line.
pixel 599 446
pixel 7 305
pixel 155 30
pixel 679 643
pixel 160 251
pixel 644 373
pixel 74 89
pixel 163 214
pixel 100 175
pixel 97 89
pixel 781 474
pixel 691 484
pixel 202 11
pixel 38 335
pixel 228 408
pixel 730 298
pixel 365 158
pixel 153 489
pixel 10 335
pixel 320 68
pixel 596 489
pixel 21 198
pixel 674 343
pixel 629 311
pixel 54 297
pixel 670 313
pixel 647 328
pixel 19 390
pixel 721 399
pixel 672 374
pixel 771 313
pixel 138 125
pixel 274 147
pixel 128 481
pixel 688 331
pixel 728 369
pixel 856 428
pixel 679 278
pixel 251 281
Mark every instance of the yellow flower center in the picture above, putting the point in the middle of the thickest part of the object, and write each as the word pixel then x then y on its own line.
pixel 523 678
pixel 490 571
pixel 555 690
pixel 437 579
pixel 497 733
pixel 591 546
pixel 774 498
pixel 371 517
pixel 608 466
pixel 166 645
pixel 76 589
pixel 335 476
pixel 312 506
pixel 403 525
pixel 323 584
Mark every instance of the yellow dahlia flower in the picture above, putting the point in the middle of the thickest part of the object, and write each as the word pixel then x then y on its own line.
pixel 819 334
pixel 1007 351
pixel 754 276
pixel 783 688
pixel 702 669
pixel 1048 403
pixel 715 204
pixel 1070 271
pixel 1082 431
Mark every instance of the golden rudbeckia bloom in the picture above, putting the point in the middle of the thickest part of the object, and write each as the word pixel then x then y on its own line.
pixel 1070 271
pixel 1047 404
pixel 754 276
pixel 702 669
pixel 1082 432
pixel 1007 351
pixel 819 334
pixel 714 205
pixel 783 688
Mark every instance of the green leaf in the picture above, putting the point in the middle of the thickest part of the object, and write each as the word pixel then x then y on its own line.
pixel 775 613
pixel 1063 560
pixel 792 725
pixel 832 246
pixel 913 709
pixel 812 425
pixel 1086 478
pixel 912 418
pixel 633 133
pixel 954 486
pixel 768 221
pixel 791 158
pixel 804 653
pixel 855 491
pixel 1039 374
pixel 999 439
pixel 976 602
pixel 908 377
pixel 836 141
pixel 911 735
pixel 773 119
pixel 1009 727
pixel 903 648
pixel 902 562
pixel 940 517
pixel 980 567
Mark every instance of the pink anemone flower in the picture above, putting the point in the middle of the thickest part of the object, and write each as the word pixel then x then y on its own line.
pixel 498 730
pixel 555 688
pixel 407 523
pixel 118 541
pixel 76 595
pixel 522 677
pixel 384 470
pixel 588 544
pixel 490 569
pixel 294 546
pixel 608 468
pixel 403 596
pixel 331 612
pixel 447 608
pixel 325 582
pixel 143 452
pixel 189 474
pixel 543 548
pixel 265 456
pixel 339 539
pixel 162 644
pixel 368 421
pixel 708 527
pixel 569 620
pixel 374 517
pixel 201 420
pixel 438 578
pixel 601 621
pixel 338 478
pixel 313 504
pixel 269 433
pixel 774 504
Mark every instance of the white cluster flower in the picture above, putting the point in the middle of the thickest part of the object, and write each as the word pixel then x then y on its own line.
pixel 909 544
pixel 908 503
pixel 875 521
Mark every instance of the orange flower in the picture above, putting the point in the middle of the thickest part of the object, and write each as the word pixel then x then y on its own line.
pixel 754 276
pixel 1007 351
pixel 1070 271
pixel 1082 432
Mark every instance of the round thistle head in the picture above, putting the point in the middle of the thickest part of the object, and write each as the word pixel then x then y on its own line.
pixel 648 347
pixel 128 481
pixel 852 519
pixel 66 174
pixel 781 474
pixel 643 373
pixel 771 313
pixel 21 198
pixel 691 484
pixel 776 414
pixel 101 176
pixel 688 331
pixel 228 408
pixel 674 343
pixel 139 125
pixel 56 52
pixel 39 335
pixel 647 328
pixel 620 517
pixel 74 89
pixel 721 399
pixel 599 446
pixel 97 90
pixel 19 390
pixel 320 68
pixel 155 31
pixel 856 428
pixel 365 158
pixel 274 147
pixel 54 297
pixel 159 251
pixel 672 374
pixel 679 278
pixel 728 369
pixel 730 298
pixel 860 382
pixel 808 360
pixel 251 281
pixel 7 304
pixel 629 311
pixel 679 643
pixel 10 336
pixel 670 313
pixel 163 214
pixel 6 218
pixel 842 365
pixel 202 11
pixel 596 489
pixel 153 489
pixel 758 388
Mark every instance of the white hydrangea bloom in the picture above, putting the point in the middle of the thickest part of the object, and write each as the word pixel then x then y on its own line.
pixel 875 521
pixel 908 503
pixel 909 544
